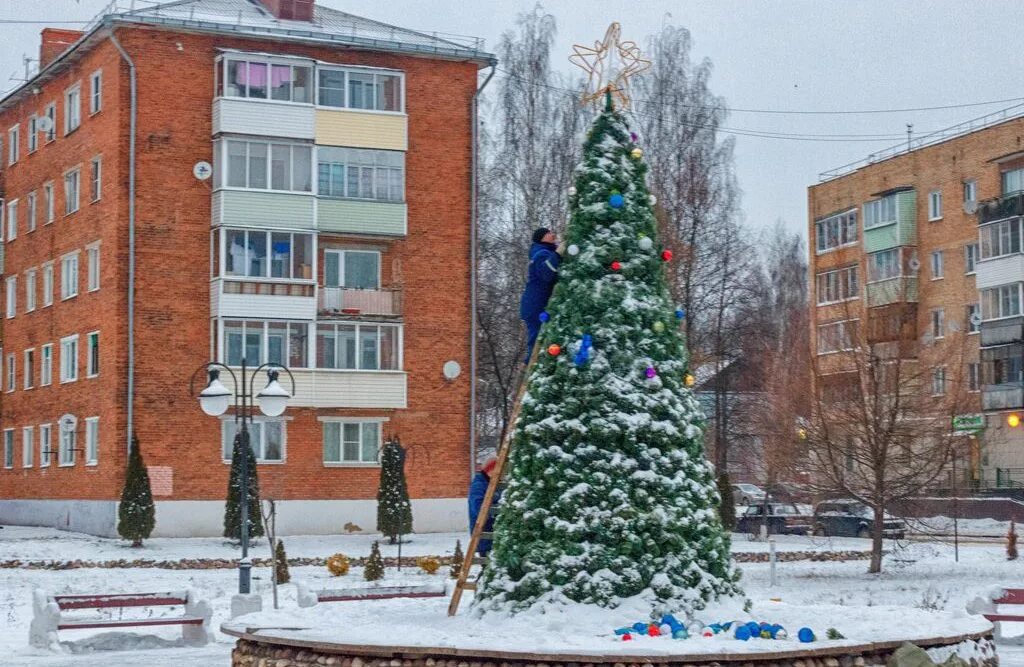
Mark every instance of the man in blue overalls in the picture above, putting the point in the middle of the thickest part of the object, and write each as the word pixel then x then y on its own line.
pixel 540 281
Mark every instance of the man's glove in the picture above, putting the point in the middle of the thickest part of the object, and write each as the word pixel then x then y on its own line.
pixel 560 249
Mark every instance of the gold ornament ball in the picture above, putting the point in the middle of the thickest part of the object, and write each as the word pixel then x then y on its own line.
pixel 690 380
pixel 658 327
pixel 637 153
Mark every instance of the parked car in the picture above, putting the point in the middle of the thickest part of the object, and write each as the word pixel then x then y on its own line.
pixel 851 518
pixel 782 519
pixel 747 494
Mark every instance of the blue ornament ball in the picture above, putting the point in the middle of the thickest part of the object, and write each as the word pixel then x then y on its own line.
pixel 754 628
pixel 681 633
pixel 680 313
pixel 742 633
pixel 640 628
pixel 544 317
pixel 806 635
pixel 669 619
pixel 616 200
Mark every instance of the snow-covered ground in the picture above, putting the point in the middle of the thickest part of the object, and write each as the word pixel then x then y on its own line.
pixel 920 575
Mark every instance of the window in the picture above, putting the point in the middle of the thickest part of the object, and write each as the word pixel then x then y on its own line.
pixel 48 203
pixel 259 342
pixel 836 230
pixel 9 448
pixel 884 265
pixel 29 370
pixel 69 358
pixel 96 92
pixel 249 78
pixel 835 286
pixel 939 381
pixel 12 296
pixel 1002 301
pixel 33 133
pixel 69 275
pixel 261 165
pixel 880 212
pixel 973 318
pixel 44 445
pixel 95 176
pixel 935 205
pixel 46 365
pixel 93 269
pixel 30 211
pixel 30 290
pixel 970 191
pixel 28 446
pixel 68 441
pixel 267 439
pixel 361 173
pixel 970 258
pixel 352 442
pixel 48 284
pixel 937 271
pixel 12 220
pixel 12 372
pixel 13 144
pixel 938 323
pixel 1006 368
pixel 72 109
pixel 92 440
pixel 1000 238
pixel 51 114
pixel 358 269
pixel 974 376
pixel 259 254
pixel 359 89
pixel 92 360
pixel 358 346
pixel 1013 181
pixel 837 336
pixel 71 183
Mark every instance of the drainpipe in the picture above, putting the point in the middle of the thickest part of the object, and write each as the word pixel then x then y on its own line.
pixel 474 212
pixel 131 235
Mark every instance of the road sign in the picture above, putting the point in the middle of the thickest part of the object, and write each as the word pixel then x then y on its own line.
pixel 968 424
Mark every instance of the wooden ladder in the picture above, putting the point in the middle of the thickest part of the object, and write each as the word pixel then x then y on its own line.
pixel 471 559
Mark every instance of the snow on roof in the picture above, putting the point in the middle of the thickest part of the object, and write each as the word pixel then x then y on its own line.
pixel 249 17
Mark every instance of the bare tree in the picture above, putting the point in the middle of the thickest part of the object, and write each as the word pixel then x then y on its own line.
pixel 883 402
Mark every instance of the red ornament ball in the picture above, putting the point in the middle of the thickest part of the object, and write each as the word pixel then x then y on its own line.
pixel 653 631
pixel 616 265
pixel 666 255
pixel 554 349
pixel 627 637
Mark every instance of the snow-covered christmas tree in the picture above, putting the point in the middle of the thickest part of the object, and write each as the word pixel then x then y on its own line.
pixel 609 495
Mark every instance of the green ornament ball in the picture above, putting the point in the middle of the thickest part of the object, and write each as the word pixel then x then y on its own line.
pixel 658 327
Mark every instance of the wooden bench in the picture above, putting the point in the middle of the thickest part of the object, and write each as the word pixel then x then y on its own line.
pixel 48 618
pixel 986 605
pixel 308 597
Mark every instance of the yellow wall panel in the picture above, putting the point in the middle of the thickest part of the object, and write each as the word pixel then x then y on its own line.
pixel 360 129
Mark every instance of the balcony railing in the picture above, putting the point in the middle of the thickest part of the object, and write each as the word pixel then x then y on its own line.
pixel 267 288
pixel 1002 332
pixel 351 301
pixel 1007 206
pixel 1002 396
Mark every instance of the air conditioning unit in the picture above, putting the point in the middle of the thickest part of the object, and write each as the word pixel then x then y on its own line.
pixel 970 207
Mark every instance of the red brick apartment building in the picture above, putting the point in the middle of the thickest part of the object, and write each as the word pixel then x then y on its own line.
pixel 933 234
pixel 333 235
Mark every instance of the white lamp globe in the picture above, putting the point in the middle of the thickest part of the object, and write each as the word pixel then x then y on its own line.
pixel 215 398
pixel 273 399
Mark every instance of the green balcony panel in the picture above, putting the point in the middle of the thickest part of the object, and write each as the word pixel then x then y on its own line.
pixel 350 216
pixel 881 238
pixel 906 213
pixel 243 208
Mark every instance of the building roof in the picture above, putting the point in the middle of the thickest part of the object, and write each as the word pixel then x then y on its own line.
pixel 249 17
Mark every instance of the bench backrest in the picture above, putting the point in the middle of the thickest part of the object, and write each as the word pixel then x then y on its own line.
pixel 1011 596
pixel 120 600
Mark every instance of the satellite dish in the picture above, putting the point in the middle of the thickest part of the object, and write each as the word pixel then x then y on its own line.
pixel 67 423
pixel 970 207
pixel 914 264
pixel 202 170
pixel 451 369
pixel 44 124
pixel 976 319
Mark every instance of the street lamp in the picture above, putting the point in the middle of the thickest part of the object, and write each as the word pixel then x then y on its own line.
pixel 215 399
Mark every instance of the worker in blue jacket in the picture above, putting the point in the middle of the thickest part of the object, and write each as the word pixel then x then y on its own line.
pixel 540 281
pixel 477 490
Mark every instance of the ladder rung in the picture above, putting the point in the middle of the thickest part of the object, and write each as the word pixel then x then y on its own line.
pixel 468 585
pixel 481 560
pixel 486 536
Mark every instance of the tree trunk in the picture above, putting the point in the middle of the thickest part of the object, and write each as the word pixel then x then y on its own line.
pixel 876 541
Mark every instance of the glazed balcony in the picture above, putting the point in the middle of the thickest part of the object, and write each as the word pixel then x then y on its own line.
pixel 1008 206
pixel 351 302
pixel 262 299
pixel 1002 396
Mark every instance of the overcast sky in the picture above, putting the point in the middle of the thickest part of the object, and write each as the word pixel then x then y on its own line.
pixel 790 55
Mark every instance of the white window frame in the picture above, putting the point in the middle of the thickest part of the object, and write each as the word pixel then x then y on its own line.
pixel 938 323
pixel 9 448
pixel 12 296
pixel 30 290
pixel 842 222
pixel 51 112
pixel 970 191
pixel 92 441
pixel 838 281
pixel 881 212
pixel 365 161
pixel 346 71
pixel 938 271
pixel 49 211
pixel 972 253
pixel 28 446
pixel 31 210
pixel 359 326
pixel 69 368
pixel 257 441
pixel 45 445
pixel 939 381
pixel 28 366
pixel 67 442
pixel 222 77
pixel 224 234
pixel 998 238
pixel 341 461
pixel 47 284
pixel 95 92
pixel 974 377
pixel 872 262
pixel 264 329
pixel 12 372
pixel 222 157
pixel 73 177
pixel 69 278
pixel 33 134
pixel 1002 294
pixel 935 205
pixel 843 336
pixel 12 219
pixel 46 365
pixel 13 143
pixel 973 328
pixel 95 178
pixel 72 108
pixel 92 252
pixel 92 343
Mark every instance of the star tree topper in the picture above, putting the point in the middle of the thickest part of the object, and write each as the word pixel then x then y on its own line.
pixel 609 64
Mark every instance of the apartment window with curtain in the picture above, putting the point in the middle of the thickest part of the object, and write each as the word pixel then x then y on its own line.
pixel 51 114
pixel 358 173
pixel 95 178
pixel 836 231
pixel 935 205
pixel 359 89
pixel 29 368
pixel 48 284
pixel 884 265
pixel 880 212
pixel 362 346
pixel 837 336
pixel 92 359
pixel 45 453
pixel 266 437
pixel 970 191
pixel 1000 238
pixel 69 275
pixel 260 342
pixel 999 302
pixel 9 448
pixel 93 266
pixel 28 446
pixel 352 442
pixel 68 444
pixel 267 165
pixel 46 365
pixel 12 372
pixel 259 79
pixel 30 211
pixel 48 209
pixel 69 358
pixel 970 258
pixel 265 254
pixel 12 296
pixel 354 269
pixel 33 133
pixel 72 180
pixel 939 381
pixel 92 440
pixel 1012 181
pixel 12 220
pixel 72 108
pixel 974 376
pixel 938 323
pixel 936 266
pixel 30 290
pixel 973 318
pixel 96 92
pixel 13 144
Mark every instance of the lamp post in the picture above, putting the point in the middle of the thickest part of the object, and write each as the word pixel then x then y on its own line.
pixel 215 399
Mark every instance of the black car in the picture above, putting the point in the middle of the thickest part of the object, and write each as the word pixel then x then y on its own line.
pixel 851 518
pixel 782 519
